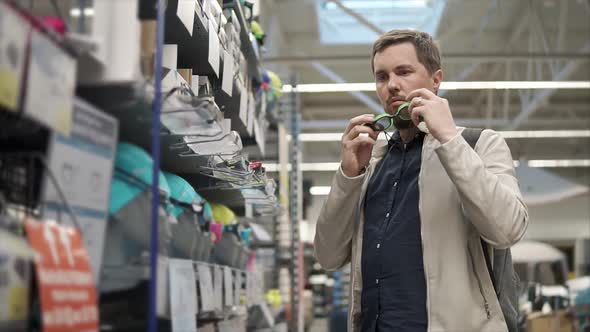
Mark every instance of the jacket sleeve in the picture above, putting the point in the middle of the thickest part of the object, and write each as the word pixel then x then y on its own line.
pixel 486 182
pixel 335 225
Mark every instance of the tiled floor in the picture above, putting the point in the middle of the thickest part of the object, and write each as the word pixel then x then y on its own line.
pixel 319 325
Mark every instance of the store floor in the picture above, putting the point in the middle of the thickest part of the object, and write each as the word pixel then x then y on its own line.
pixel 319 325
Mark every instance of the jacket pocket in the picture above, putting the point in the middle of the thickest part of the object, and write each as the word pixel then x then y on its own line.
pixel 486 304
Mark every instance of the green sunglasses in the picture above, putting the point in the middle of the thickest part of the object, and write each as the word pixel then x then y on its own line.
pixel 383 122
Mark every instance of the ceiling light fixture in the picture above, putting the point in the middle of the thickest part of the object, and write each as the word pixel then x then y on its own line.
pixel 470 85
pixel 75 12
pixel 336 137
pixel 331 167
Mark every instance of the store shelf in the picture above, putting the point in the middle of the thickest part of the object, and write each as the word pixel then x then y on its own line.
pixel 192 50
pixel 246 44
pixel 133 278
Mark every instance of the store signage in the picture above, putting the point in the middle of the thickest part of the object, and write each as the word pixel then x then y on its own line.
pixel 50 84
pixel 13 44
pixel 64 279
pixel 82 165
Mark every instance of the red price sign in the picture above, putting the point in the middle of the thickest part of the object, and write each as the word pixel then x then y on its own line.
pixel 66 286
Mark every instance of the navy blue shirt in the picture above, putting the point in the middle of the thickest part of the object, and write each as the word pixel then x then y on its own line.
pixel 394 286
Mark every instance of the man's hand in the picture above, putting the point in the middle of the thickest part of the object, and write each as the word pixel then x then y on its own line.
pixel 435 112
pixel 356 148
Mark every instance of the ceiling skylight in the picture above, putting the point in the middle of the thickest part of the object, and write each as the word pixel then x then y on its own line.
pixel 340 26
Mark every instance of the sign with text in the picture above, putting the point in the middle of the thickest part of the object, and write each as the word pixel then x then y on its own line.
pixel 64 279
pixel 83 168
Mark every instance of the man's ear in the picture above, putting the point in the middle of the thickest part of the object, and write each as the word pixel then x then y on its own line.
pixel 437 78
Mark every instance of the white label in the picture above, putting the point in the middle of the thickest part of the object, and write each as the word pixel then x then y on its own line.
pixel 213 56
pixel 186 13
pixel 228 286
pixel 243 104
pixel 163 303
pixel 195 85
pixel 183 295
pixel 50 84
pixel 206 287
pixel 218 288
pixel 238 288
pixel 228 73
pixel 170 56
pixel 251 113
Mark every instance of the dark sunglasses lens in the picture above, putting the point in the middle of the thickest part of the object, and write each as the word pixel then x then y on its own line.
pixel 403 112
pixel 383 123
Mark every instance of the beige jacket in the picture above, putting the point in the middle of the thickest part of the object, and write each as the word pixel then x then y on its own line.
pixel 464 194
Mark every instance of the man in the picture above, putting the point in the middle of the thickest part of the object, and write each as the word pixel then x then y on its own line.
pixel 409 215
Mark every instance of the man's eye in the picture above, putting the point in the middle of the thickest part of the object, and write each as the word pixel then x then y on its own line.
pixel 381 78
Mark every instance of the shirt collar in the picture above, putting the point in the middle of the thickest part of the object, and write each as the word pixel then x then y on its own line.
pixel 397 140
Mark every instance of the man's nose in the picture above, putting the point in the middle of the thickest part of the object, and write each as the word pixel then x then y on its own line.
pixel 393 84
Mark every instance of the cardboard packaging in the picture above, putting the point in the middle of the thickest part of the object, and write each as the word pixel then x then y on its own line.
pixel 560 321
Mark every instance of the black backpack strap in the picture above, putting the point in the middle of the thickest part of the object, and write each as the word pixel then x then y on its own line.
pixel 471 135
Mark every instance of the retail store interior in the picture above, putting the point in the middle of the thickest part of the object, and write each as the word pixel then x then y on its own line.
pixel 163 163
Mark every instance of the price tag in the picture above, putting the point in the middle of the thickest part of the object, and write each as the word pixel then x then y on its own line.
pixel 218 287
pixel 243 103
pixel 186 13
pixel 206 287
pixel 251 113
pixel 183 295
pixel 228 73
pixel 228 286
pixel 238 288
pixel 66 286
pixel 213 56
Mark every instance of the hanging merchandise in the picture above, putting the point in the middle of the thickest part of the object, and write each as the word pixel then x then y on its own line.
pixel 65 284
pixel 230 249
pixel 128 230
pixel 258 32
pixel 190 238
pixel 190 115
pixel 223 214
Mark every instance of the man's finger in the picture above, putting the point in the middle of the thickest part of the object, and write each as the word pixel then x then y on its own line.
pixel 424 93
pixel 358 129
pixel 365 118
pixel 417 102
pixel 417 114
pixel 363 140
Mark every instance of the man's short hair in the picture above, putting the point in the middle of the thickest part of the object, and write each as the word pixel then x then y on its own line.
pixel 426 49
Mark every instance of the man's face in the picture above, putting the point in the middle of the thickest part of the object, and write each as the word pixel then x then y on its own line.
pixel 398 72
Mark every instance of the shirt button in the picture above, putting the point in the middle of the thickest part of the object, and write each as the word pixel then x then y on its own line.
pixel 395 184
pixel 378 245
pixel 387 215
pixel 377 316
pixel 377 281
